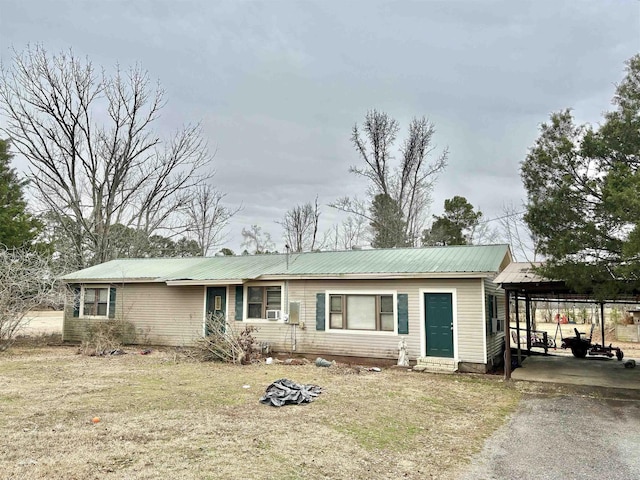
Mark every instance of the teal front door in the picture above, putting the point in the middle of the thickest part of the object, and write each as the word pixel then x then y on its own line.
pixel 216 306
pixel 438 322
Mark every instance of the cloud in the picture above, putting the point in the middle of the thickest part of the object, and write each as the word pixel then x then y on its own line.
pixel 278 85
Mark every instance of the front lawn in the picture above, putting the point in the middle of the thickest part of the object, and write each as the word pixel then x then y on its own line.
pixel 162 416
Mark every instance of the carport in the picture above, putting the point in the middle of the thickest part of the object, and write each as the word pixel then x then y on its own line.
pixel 521 282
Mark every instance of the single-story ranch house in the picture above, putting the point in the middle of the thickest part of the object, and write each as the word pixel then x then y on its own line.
pixel 441 300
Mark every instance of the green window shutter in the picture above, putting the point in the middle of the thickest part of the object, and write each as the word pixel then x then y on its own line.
pixel 76 301
pixel 320 311
pixel 112 302
pixel 239 302
pixel 403 314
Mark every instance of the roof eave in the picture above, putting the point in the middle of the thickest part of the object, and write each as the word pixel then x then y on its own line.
pixel 212 282
pixel 286 276
pixel 112 280
pixel 377 276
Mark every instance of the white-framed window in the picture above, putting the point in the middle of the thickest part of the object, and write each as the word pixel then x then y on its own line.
pixel 362 311
pixel 95 302
pixel 261 298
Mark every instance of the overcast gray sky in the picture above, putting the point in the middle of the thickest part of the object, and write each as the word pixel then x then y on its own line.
pixel 278 85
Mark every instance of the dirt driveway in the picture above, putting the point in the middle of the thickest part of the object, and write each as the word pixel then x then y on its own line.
pixel 42 322
pixel 575 435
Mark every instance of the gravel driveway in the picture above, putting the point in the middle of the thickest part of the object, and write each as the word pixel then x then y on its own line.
pixel 567 437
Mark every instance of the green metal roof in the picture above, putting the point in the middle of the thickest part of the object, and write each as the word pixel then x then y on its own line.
pixel 397 261
pixel 133 269
pixel 230 268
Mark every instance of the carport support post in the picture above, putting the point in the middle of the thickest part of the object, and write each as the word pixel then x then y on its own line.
pixel 507 337
pixel 527 313
pixel 518 329
pixel 602 321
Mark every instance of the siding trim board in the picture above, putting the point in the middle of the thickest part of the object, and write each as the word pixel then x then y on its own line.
pixel 204 311
pixel 483 300
pixel 118 281
pixel 206 283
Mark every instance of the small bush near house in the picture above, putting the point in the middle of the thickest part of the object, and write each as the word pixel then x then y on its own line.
pixel 107 337
pixel 223 343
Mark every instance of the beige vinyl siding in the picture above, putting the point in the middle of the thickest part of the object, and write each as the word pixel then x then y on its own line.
pixel 166 315
pixel 495 341
pixel 72 328
pixel 162 315
pixel 377 344
pixel 471 328
pixel 505 261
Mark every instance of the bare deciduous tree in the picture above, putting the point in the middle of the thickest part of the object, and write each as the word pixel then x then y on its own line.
pixel 348 234
pixel 208 217
pixel 483 234
pixel 414 181
pixel 353 206
pixel 410 183
pixel 255 241
pixel 94 158
pixel 380 131
pixel 26 281
pixel 300 226
pixel 516 232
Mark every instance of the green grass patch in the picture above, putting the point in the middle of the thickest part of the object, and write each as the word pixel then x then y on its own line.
pixel 383 433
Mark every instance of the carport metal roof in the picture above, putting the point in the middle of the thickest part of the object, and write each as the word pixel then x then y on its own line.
pixel 522 278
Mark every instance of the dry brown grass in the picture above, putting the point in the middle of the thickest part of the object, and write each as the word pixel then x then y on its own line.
pixel 165 417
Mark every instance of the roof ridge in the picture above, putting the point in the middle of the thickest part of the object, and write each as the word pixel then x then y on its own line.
pixel 388 249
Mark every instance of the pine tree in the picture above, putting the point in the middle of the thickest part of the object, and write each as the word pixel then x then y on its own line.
pixel 387 223
pixel 456 226
pixel 17 227
pixel 583 191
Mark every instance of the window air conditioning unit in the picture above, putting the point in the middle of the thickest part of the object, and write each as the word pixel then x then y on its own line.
pixel 495 325
pixel 273 314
